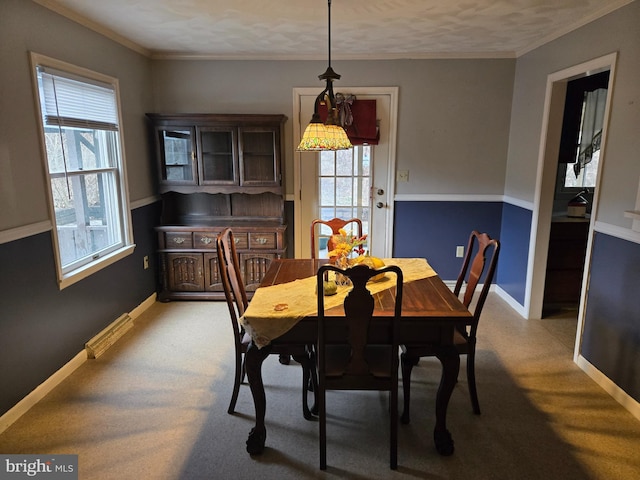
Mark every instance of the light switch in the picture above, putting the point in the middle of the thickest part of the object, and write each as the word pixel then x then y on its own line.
pixel 402 176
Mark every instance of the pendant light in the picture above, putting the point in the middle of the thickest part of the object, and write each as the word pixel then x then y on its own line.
pixel 329 135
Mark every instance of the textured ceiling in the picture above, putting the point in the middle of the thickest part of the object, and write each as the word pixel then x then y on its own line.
pixel 365 29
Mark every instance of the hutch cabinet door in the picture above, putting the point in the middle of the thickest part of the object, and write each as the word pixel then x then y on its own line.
pixel 218 156
pixel 212 281
pixel 177 147
pixel 259 151
pixel 184 271
pixel 254 266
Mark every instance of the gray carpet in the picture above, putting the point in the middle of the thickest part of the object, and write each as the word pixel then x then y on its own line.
pixel 154 407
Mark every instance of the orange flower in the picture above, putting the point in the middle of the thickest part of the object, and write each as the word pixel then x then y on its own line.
pixel 344 243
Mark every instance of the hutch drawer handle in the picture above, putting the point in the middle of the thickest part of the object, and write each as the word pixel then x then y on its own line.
pixel 236 240
pixel 262 240
pixel 206 240
pixel 179 240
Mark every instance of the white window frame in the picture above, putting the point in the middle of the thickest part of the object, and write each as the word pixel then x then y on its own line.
pixel 117 204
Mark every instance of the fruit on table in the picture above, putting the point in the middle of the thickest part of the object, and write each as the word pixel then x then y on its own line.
pixel 371 262
pixel 330 288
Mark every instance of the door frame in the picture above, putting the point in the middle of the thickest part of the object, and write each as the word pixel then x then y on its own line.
pixel 300 233
pixel 546 180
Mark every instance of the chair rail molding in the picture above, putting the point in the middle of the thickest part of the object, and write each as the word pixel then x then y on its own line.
pixel 25 231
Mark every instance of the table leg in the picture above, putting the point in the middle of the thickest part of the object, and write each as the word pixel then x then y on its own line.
pixel 450 360
pixel 253 359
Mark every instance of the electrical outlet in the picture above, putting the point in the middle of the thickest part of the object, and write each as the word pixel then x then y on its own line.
pixel 402 176
pixel 145 261
pixel 460 251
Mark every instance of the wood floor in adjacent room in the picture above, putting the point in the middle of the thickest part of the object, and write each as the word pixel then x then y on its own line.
pixel 154 406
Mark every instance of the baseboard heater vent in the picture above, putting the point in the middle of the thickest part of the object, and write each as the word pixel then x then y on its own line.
pixel 107 337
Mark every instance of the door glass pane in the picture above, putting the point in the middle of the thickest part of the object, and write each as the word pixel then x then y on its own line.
pixel 364 191
pixel 327 192
pixel 344 163
pixel 327 163
pixel 344 191
pixel 366 161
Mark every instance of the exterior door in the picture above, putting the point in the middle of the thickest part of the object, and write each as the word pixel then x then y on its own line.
pixel 372 183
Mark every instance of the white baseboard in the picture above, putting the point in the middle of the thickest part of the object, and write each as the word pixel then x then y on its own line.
pixel 41 391
pixel 136 312
pixel 610 387
pixel 596 375
pixel 54 380
pixel 511 301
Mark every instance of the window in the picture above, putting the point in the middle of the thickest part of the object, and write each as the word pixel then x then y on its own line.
pixel 84 165
pixel 585 103
pixel 344 186
pixel 584 171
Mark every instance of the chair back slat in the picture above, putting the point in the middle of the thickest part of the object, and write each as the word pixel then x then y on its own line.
pixel 335 224
pixel 231 277
pixel 359 308
pixel 481 258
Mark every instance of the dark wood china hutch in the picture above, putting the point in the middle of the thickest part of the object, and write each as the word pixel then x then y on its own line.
pixel 217 171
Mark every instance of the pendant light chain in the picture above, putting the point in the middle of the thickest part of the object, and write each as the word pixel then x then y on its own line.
pixel 329 31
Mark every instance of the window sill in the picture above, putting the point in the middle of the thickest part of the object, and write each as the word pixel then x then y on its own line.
pixel 67 280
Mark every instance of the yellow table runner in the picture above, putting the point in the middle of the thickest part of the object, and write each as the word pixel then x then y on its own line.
pixel 264 323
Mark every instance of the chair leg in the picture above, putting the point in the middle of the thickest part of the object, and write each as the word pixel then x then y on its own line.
pixel 305 362
pixel 306 373
pixel 322 423
pixel 407 363
pixel 313 384
pixel 284 359
pixel 237 380
pixel 393 432
pixel 312 356
pixel 471 380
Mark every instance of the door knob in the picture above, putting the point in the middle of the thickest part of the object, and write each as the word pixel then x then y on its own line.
pixel 379 204
pixel 380 191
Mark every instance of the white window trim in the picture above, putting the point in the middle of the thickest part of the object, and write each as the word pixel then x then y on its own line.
pixel 67 279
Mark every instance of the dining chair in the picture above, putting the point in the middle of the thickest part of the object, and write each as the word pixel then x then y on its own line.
pixel 335 224
pixel 347 360
pixel 237 301
pixel 482 254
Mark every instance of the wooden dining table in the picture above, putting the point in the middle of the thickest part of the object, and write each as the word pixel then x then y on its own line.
pixel 430 313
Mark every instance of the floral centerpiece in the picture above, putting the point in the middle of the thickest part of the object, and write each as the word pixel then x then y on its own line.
pixel 343 244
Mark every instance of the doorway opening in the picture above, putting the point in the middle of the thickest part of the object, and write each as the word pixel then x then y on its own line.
pixel 576 178
pixel 547 176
